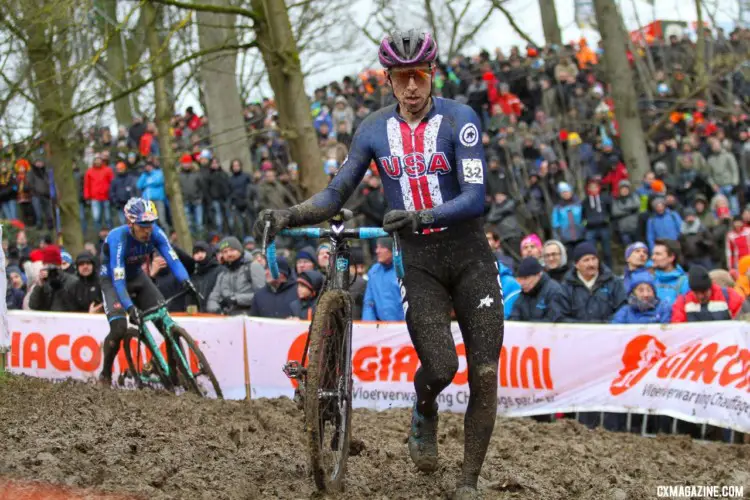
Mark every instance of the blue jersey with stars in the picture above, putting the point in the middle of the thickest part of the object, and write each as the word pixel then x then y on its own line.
pixel 438 165
pixel 123 255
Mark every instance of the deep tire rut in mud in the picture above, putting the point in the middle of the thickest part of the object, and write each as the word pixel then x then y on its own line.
pixel 143 444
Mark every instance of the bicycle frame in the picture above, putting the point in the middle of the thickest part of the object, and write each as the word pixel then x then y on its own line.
pixel 160 314
pixel 338 264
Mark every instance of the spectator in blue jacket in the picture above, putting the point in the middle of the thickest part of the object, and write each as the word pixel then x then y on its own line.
pixel 664 223
pixel 151 185
pixel 636 259
pixel 595 294
pixel 383 296
pixel 644 306
pixel 542 299
pixel 567 218
pixel 670 280
pixel 511 288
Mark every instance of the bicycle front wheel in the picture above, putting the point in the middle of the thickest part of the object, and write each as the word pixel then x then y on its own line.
pixel 328 389
pixel 197 375
pixel 143 366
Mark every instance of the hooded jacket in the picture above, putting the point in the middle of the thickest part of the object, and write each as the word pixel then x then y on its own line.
pixel 597 305
pixel 382 297
pixel 53 295
pixel 233 284
pixel 85 290
pixel 511 288
pixel 670 284
pixel 545 303
pixel 151 185
pixel 558 274
pixel 631 313
pixel 206 273
pixel 304 309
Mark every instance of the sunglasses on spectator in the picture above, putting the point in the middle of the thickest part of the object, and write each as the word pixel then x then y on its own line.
pixel 402 76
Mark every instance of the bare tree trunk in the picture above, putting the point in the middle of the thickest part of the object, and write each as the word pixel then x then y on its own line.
pixel 218 72
pixel 51 109
pixel 163 115
pixel 276 42
pixel 700 48
pixel 117 79
pixel 633 142
pixel 551 28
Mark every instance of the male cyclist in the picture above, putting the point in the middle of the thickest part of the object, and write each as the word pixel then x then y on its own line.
pixel 124 251
pixel 432 164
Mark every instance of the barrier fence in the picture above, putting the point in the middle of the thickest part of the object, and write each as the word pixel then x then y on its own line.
pixel 698 373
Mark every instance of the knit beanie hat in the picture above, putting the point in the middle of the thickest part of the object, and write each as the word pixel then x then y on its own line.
pixel 698 279
pixel 532 238
pixel 633 247
pixel 529 267
pixel 231 242
pixel 582 250
pixel 51 256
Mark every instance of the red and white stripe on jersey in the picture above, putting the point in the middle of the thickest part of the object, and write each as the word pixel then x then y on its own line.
pixel 422 192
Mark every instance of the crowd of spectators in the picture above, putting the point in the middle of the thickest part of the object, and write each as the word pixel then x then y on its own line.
pixel 576 237
pixel 606 249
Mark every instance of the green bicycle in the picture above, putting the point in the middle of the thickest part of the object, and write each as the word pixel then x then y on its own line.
pixel 191 372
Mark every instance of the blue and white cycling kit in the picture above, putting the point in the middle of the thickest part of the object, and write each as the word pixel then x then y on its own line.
pixel 122 257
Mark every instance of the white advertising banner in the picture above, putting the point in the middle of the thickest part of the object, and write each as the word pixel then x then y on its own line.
pixel 58 346
pixel 697 372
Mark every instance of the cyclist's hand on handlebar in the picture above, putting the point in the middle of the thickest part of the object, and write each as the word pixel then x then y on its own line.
pixel 135 316
pixel 279 220
pixel 401 220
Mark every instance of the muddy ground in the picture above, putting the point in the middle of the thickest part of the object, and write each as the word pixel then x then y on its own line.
pixel 149 445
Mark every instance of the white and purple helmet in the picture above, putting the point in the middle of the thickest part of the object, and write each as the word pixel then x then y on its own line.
pixel 405 48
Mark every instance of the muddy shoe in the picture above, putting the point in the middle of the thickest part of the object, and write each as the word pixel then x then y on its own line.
pixel 105 381
pixel 467 493
pixel 423 446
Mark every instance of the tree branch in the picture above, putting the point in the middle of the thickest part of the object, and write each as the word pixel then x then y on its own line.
pixel 168 69
pixel 216 9
pixel 470 35
pixel 499 6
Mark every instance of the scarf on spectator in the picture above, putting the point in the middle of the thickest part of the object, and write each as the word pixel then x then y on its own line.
pixel 688 228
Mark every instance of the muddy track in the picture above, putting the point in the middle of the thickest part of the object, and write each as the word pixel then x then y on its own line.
pixel 156 446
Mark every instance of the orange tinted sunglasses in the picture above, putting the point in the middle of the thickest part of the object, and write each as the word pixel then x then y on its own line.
pixel 403 76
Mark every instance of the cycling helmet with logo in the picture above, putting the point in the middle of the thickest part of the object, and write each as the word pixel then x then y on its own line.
pixel 141 212
pixel 405 48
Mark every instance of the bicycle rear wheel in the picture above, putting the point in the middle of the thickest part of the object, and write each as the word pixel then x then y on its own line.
pixel 144 374
pixel 201 379
pixel 328 389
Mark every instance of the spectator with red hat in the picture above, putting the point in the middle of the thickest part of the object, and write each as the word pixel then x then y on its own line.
pixel 52 290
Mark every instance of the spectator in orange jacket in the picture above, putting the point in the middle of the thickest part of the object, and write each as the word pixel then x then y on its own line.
pixel 706 301
pixel 96 185
pixel 585 56
pixel 509 103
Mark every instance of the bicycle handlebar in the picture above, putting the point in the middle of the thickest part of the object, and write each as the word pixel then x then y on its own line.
pixel 362 233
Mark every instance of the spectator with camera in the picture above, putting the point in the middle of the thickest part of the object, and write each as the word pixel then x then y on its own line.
pixel 52 290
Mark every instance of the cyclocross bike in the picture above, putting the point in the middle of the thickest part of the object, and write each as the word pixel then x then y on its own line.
pixel 324 374
pixel 155 371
